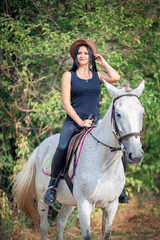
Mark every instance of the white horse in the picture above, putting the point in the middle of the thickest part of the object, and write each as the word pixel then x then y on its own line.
pixel 99 178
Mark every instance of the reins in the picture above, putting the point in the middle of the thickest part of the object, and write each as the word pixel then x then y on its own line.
pixel 113 149
pixel 116 131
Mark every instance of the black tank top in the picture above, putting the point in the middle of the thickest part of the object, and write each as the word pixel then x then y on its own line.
pixel 85 95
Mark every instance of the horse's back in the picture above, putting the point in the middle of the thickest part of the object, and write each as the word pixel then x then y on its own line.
pixel 50 141
pixel 48 145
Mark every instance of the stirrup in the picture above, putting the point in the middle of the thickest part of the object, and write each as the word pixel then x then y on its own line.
pixel 44 193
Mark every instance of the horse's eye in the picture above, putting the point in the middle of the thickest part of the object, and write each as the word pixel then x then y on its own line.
pixel 118 114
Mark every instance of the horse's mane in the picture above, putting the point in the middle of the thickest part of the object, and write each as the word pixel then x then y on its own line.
pixel 125 86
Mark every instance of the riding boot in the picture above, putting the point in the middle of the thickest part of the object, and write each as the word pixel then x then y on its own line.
pixel 123 198
pixel 58 163
pixel 50 196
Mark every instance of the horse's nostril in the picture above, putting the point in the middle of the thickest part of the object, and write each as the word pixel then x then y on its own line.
pixel 130 156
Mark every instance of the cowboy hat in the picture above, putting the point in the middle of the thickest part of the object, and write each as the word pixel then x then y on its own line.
pixel 79 42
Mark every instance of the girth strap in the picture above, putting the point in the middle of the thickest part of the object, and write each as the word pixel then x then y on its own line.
pixel 68 181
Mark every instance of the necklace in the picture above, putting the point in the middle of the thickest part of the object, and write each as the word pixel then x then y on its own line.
pixel 86 80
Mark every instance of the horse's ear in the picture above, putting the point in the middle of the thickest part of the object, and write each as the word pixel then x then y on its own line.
pixel 113 90
pixel 138 91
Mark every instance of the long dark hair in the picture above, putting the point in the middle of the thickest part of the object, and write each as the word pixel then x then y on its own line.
pixel 92 63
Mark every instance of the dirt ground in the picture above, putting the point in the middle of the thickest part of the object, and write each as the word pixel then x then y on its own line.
pixel 137 220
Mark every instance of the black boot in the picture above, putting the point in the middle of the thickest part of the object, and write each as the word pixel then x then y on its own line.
pixel 123 197
pixel 57 165
pixel 50 196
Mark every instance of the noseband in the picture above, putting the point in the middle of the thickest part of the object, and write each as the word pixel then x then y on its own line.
pixel 113 118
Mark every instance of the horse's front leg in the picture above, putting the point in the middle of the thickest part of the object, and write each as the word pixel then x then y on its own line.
pixel 85 209
pixel 62 220
pixel 109 213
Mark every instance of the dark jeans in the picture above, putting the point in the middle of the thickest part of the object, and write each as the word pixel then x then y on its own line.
pixel 70 128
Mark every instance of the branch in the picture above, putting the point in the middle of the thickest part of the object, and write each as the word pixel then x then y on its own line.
pixel 6 109
pixel 40 79
pixel 130 173
pixel 8 124
pixel 25 110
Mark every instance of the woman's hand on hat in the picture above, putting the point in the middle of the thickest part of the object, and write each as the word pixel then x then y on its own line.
pixel 99 59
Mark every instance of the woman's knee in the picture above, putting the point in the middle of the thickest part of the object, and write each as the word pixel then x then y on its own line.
pixel 68 131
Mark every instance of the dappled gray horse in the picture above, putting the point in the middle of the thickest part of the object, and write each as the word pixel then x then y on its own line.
pixel 99 178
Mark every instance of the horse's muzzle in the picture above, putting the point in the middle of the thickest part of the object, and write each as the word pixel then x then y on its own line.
pixel 135 158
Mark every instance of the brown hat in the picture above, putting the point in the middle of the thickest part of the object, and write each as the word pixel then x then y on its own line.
pixel 79 42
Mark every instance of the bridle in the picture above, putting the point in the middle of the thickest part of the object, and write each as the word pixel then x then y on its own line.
pixel 115 129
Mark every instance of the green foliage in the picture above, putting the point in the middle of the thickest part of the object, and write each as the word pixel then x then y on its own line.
pixel 12 222
pixel 7 224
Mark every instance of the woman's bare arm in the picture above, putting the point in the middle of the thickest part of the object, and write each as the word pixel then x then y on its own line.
pixel 111 76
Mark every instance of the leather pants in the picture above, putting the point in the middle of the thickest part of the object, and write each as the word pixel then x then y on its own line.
pixel 70 128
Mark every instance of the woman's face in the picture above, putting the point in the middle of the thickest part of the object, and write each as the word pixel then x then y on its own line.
pixel 83 56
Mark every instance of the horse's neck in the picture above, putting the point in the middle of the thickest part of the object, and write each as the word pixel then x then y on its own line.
pixel 104 131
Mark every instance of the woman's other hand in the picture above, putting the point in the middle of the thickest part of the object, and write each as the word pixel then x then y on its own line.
pixel 87 123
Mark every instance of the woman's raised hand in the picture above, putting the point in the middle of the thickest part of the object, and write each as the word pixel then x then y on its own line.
pixel 99 59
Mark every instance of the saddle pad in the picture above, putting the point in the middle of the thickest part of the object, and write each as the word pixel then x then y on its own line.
pixel 46 168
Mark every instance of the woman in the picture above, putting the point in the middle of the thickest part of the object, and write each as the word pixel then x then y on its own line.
pixel 81 88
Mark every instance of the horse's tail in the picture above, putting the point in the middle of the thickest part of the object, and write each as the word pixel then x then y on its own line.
pixel 24 188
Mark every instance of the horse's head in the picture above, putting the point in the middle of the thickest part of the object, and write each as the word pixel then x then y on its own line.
pixel 127 120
